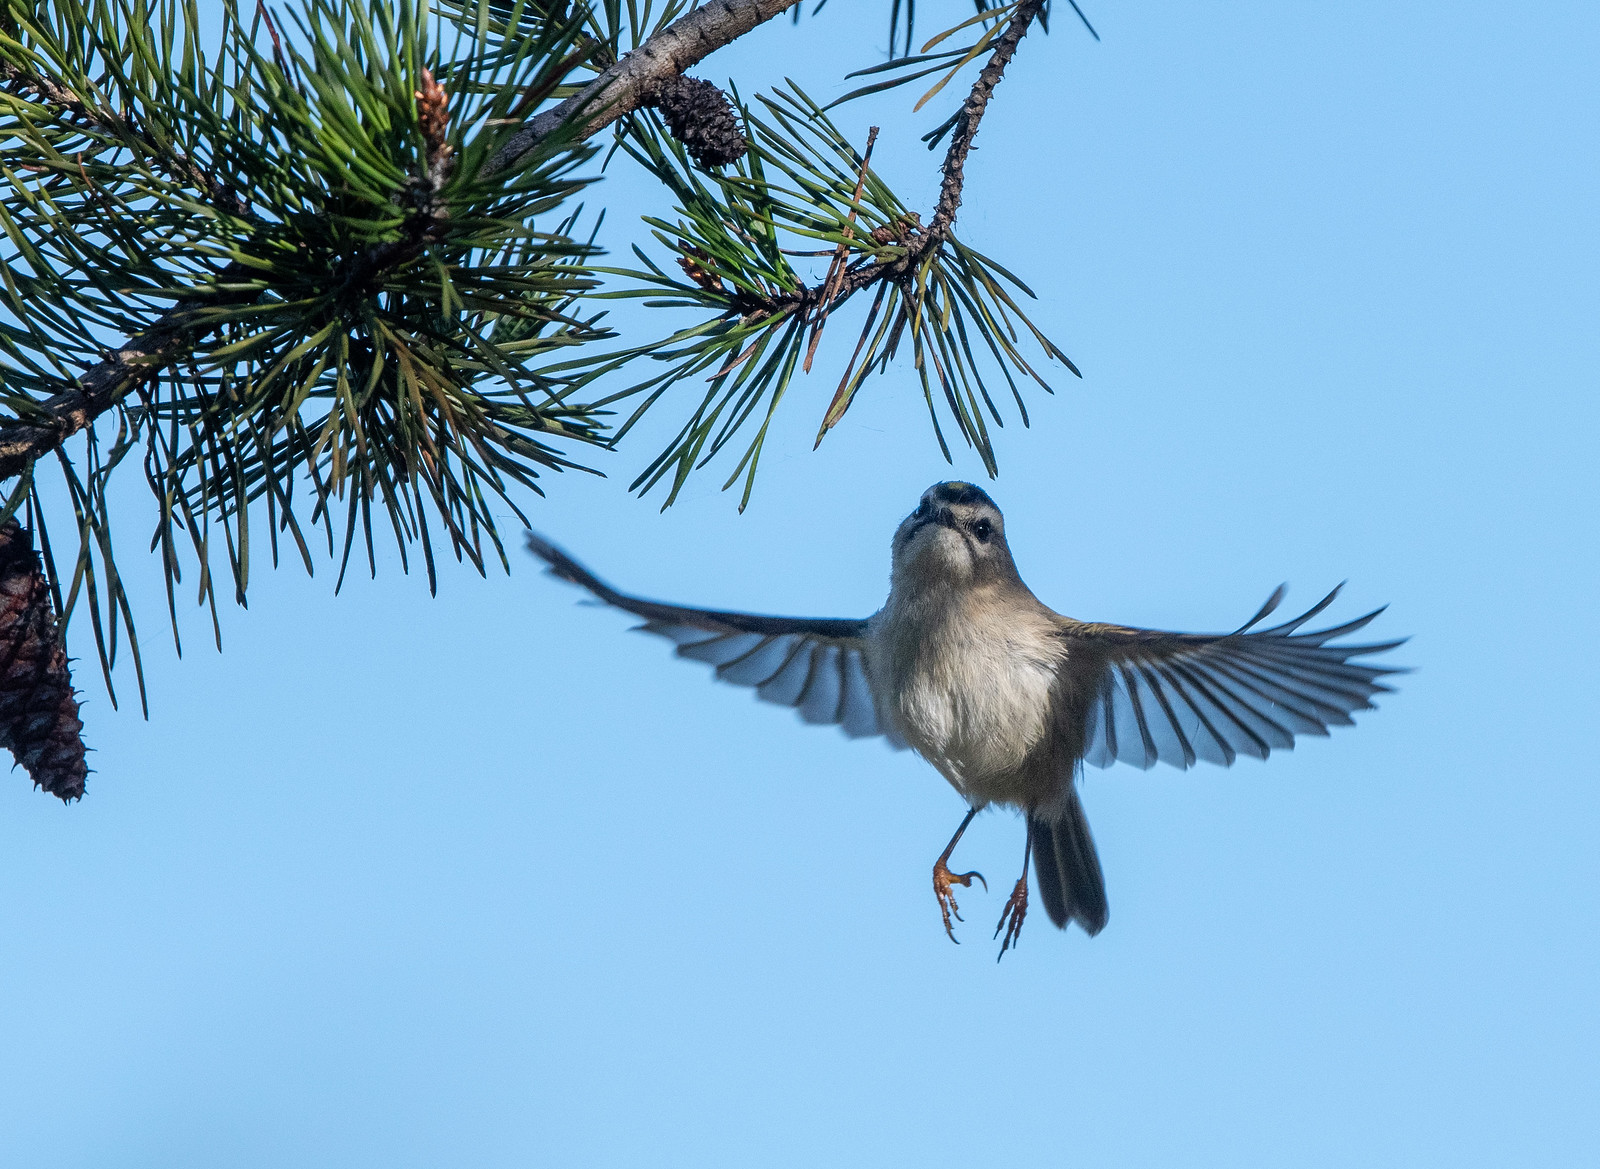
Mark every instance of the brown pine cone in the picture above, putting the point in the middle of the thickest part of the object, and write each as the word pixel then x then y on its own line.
pixel 39 721
pixel 700 268
pixel 699 115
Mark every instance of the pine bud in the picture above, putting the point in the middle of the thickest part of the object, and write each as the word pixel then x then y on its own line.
pixel 433 119
pixel 897 230
pixel 700 268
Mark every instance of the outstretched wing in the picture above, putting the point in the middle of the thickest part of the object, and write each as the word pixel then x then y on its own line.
pixel 1181 697
pixel 814 664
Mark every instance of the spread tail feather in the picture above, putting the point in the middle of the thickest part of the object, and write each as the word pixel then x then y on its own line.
pixel 1068 869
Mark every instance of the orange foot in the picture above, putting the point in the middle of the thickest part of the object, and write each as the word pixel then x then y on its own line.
pixel 1011 917
pixel 943 878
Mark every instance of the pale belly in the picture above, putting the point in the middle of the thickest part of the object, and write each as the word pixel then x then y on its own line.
pixel 975 708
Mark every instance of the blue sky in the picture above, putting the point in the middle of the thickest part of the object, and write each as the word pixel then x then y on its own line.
pixel 485 880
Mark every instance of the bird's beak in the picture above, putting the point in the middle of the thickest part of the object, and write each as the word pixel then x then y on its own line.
pixel 942 516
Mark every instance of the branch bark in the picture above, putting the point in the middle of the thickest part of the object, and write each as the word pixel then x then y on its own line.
pixel 617 91
pixel 104 384
pixel 820 301
pixel 124 370
pixel 972 111
pixel 623 87
pixel 15 79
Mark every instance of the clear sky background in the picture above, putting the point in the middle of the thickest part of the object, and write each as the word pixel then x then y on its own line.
pixel 485 880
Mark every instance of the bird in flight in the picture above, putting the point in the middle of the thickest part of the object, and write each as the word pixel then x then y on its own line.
pixel 1007 698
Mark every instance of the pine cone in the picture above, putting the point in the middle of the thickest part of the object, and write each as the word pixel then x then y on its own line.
pixel 699 115
pixel 39 721
pixel 700 268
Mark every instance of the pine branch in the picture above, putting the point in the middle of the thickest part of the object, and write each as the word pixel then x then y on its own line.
pixel 123 371
pixel 803 180
pixel 955 159
pixel 15 79
pixel 627 85
pixel 103 385
pixel 821 300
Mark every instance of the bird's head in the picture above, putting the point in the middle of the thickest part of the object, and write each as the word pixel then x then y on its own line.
pixel 955 536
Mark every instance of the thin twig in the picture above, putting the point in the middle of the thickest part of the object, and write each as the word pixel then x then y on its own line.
pixel 955 159
pixel 937 231
pixel 830 283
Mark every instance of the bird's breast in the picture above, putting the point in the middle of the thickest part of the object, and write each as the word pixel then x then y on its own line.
pixel 969 689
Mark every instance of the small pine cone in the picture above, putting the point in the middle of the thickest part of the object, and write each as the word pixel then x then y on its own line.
pixel 700 268
pixel 699 115
pixel 39 721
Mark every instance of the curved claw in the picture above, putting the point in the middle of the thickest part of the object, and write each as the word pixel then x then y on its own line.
pixel 948 909
pixel 1011 916
pixel 943 879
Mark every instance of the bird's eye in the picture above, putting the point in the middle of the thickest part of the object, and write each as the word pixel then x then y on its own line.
pixel 922 509
pixel 983 529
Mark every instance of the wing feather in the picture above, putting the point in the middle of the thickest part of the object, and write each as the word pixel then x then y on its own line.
pixel 721 650
pixel 764 660
pixel 785 687
pixel 819 703
pixel 817 664
pixel 1216 730
pixel 857 713
pixel 1182 698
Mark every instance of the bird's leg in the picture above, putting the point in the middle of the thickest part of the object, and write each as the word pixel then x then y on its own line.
pixel 1017 904
pixel 943 878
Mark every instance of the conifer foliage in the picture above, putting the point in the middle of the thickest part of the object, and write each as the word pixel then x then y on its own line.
pixel 333 271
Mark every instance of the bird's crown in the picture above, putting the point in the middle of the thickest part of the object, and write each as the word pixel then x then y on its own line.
pixel 956 491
